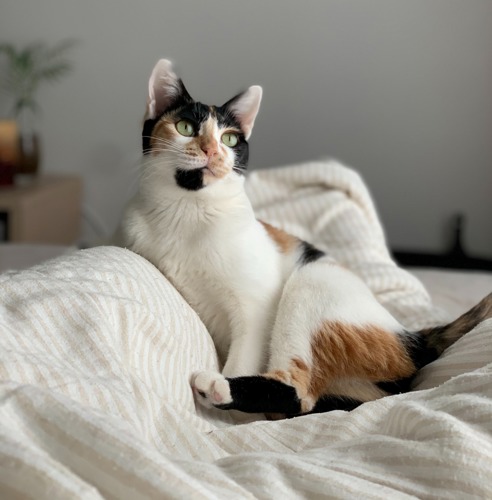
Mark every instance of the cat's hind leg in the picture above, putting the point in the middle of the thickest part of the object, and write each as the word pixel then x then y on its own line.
pixel 331 345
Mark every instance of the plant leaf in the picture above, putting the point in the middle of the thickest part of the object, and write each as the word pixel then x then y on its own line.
pixel 61 48
pixel 31 65
pixel 55 71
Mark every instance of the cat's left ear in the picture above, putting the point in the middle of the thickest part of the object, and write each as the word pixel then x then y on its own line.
pixel 244 107
pixel 166 90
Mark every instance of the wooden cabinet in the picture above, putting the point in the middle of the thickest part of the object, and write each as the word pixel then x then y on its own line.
pixel 46 209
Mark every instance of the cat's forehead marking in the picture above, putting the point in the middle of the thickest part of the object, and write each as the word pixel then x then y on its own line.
pixel 195 112
pixel 199 113
pixel 209 126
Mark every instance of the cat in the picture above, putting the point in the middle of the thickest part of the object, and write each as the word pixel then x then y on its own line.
pixel 296 332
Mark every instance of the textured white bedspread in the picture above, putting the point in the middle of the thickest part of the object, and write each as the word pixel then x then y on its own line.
pixel 96 351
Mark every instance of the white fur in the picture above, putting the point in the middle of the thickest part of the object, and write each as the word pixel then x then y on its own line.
pixel 211 388
pixel 319 292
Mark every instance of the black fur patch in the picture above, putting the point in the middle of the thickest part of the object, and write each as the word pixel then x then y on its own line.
pixel 148 126
pixel 420 354
pixel 192 180
pixel 331 403
pixel 257 394
pixel 226 119
pixel 241 151
pixel 418 350
pixel 195 112
pixel 397 386
pixel 309 253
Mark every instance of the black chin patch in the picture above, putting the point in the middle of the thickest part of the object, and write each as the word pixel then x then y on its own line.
pixel 192 180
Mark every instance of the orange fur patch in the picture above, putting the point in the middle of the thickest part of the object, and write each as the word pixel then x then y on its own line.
pixel 285 241
pixel 280 375
pixel 369 353
pixel 164 133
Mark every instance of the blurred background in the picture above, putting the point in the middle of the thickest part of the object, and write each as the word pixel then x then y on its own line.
pixel 399 90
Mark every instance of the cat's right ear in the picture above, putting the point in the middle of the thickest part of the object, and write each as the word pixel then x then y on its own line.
pixel 244 107
pixel 166 90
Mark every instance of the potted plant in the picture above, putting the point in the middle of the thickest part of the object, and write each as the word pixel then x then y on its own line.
pixel 26 69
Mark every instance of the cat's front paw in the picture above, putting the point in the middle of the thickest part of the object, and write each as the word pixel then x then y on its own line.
pixel 211 389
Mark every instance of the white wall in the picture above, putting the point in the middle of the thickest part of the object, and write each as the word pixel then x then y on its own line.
pixel 399 89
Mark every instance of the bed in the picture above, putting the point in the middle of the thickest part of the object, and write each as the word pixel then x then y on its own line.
pixel 97 348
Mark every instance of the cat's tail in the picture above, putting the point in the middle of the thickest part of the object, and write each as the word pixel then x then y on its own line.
pixel 440 338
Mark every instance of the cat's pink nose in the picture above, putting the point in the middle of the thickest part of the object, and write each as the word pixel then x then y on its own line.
pixel 209 149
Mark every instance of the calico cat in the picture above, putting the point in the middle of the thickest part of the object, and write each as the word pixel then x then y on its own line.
pixel 295 331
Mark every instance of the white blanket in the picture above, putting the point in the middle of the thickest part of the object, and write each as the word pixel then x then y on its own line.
pixel 96 351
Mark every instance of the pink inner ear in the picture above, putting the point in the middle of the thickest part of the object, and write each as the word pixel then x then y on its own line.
pixel 163 88
pixel 246 107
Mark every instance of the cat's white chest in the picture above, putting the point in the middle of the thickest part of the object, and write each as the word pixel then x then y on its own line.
pixel 225 266
pixel 222 272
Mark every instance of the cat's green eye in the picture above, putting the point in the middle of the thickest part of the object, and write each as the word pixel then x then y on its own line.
pixel 184 127
pixel 230 139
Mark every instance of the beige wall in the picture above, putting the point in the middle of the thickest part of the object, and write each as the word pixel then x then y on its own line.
pixel 399 89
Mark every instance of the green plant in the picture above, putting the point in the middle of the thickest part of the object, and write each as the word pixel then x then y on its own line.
pixel 28 67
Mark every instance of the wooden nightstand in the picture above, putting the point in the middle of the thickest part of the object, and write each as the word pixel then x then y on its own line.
pixel 44 210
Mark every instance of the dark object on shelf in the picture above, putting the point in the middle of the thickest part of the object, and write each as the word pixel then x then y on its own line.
pixel 455 258
pixel 7 171
pixel 29 153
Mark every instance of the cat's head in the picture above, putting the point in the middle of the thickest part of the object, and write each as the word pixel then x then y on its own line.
pixel 198 144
